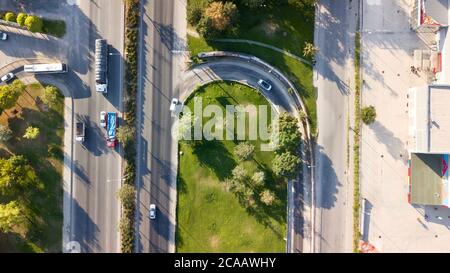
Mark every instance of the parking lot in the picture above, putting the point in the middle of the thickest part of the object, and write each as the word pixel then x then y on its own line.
pixel 391 223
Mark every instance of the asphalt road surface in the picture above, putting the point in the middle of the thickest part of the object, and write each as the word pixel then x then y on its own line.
pixel 95 209
pixel 333 73
pixel 163 26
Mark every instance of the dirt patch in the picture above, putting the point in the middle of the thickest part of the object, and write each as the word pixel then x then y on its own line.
pixel 214 241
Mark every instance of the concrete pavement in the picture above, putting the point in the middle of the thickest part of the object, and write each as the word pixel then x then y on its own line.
pixel 333 74
pixel 391 223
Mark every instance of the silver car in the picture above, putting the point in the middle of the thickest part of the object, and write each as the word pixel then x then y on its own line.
pixel 264 84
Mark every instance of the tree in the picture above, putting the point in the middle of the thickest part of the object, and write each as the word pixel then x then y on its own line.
pixel 206 29
pixel 368 114
pixel 127 195
pixel 258 178
pixel 9 94
pixel 289 136
pixel 21 17
pixel 34 23
pixel 286 165
pixel 5 133
pixel 244 151
pixel 182 129
pixel 267 197
pixel 11 215
pixel 222 15
pixel 15 175
pixel 239 173
pixel 309 50
pixel 51 95
pixel 10 17
pixel 125 133
pixel 31 132
pixel 194 14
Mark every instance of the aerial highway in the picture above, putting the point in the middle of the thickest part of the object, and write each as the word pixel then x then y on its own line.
pixel 94 208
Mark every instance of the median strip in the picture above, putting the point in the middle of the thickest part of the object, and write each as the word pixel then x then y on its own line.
pixel 127 134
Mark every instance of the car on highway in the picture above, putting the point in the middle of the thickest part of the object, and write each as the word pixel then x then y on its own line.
pixel 103 119
pixel 264 84
pixel 152 212
pixel 7 77
pixel 3 36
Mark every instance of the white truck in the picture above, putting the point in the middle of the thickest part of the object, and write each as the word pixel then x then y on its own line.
pixel 101 65
pixel 80 131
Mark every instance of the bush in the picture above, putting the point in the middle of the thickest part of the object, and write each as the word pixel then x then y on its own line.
pixel 368 114
pixel 31 133
pixel 10 17
pixel 51 96
pixel 21 17
pixel 34 23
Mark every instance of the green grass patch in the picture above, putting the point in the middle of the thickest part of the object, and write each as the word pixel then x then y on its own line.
pixel 287 27
pixel 212 219
pixel 42 231
pixel 54 27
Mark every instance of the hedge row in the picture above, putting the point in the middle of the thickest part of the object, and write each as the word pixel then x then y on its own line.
pixel 131 78
pixel 35 24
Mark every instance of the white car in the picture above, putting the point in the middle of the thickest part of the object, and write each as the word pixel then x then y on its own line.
pixel 176 106
pixel 103 119
pixel 7 77
pixel 264 84
pixel 3 36
pixel 152 211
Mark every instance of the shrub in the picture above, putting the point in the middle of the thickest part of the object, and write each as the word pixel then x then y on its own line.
pixel 21 17
pixel 10 17
pixel 51 96
pixel 368 114
pixel 34 23
pixel 31 133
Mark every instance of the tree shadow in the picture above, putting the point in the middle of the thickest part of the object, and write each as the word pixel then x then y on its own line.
pixel 215 156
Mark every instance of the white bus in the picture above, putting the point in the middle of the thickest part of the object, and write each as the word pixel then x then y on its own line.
pixel 45 68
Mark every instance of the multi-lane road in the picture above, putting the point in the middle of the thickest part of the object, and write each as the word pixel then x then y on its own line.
pixel 334 30
pixel 163 42
pixel 94 208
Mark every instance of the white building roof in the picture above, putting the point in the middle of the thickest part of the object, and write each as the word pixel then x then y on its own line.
pixel 429 114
